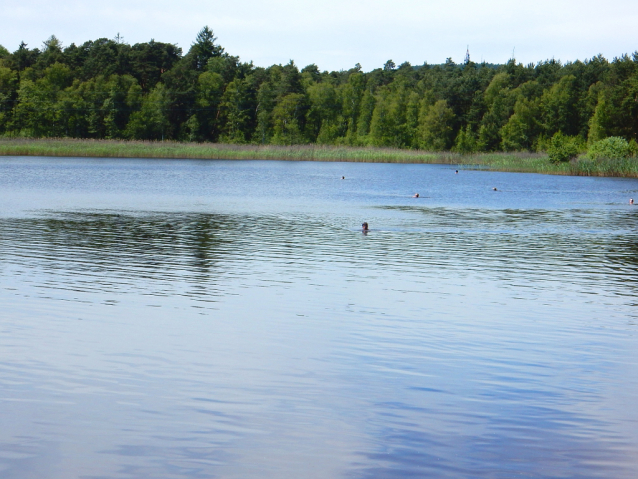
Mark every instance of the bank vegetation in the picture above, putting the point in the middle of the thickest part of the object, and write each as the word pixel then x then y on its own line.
pixel 498 161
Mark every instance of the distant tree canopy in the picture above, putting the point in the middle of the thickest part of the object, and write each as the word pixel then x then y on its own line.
pixel 110 89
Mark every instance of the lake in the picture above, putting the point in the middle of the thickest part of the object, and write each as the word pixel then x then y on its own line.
pixel 229 319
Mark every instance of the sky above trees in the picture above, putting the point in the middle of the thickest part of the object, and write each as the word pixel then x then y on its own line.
pixel 337 34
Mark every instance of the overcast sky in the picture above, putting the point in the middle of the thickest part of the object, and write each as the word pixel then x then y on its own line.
pixel 337 34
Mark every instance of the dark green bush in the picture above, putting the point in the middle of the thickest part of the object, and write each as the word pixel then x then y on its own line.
pixel 562 148
pixel 612 148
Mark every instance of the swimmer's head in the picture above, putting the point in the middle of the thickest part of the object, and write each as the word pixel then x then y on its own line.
pixel 364 226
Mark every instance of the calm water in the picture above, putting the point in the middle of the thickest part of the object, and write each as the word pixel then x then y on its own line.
pixel 221 319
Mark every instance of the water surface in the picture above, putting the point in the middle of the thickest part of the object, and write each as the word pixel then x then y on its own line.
pixel 228 319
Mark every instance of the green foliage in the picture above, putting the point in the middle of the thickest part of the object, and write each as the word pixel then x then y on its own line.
pixel 499 100
pixel 599 123
pixel 368 104
pixel 288 120
pixel 106 88
pixel 149 61
pixel 522 127
pixel 465 141
pixel 389 124
pixel 8 83
pixel 225 65
pixel 235 107
pixel 151 121
pixel 435 127
pixel 322 123
pixel 611 148
pixel 204 122
pixel 351 94
pixel 389 66
pixel 499 83
pixel 559 107
pixel 562 148
pixel 204 48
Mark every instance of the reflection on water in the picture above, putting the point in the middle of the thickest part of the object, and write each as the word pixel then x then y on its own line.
pixel 275 341
pixel 162 253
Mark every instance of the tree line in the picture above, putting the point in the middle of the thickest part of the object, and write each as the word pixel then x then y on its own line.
pixel 108 89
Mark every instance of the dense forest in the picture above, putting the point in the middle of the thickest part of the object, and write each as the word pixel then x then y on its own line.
pixel 110 89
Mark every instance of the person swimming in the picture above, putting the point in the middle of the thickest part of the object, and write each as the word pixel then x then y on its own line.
pixel 343 177
pixel 416 195
pixel 494 189
pixel 456 172
pixel 631 201
pixel 364 226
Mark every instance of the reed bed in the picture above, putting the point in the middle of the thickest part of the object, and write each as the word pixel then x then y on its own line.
pixel 514 162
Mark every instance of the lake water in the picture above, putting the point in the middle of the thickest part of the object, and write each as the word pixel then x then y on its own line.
pixel 228 319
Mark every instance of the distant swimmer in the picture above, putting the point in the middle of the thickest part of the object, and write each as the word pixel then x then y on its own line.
pixel 631 201
pixel 416 195
pixel 456 171
pixel 343 177
pixel 364 227
pixel 494 189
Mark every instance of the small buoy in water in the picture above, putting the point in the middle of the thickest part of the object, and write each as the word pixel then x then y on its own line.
pixel 495 189
pixel 416 195
pixel 364 226
pixel 631 201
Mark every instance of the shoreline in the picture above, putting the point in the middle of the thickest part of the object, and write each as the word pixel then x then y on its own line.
pixel 520 162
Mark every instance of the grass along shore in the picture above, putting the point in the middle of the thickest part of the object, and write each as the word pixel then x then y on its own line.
pixel 514 162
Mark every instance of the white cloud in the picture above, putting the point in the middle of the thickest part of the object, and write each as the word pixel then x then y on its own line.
pixel 336 34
